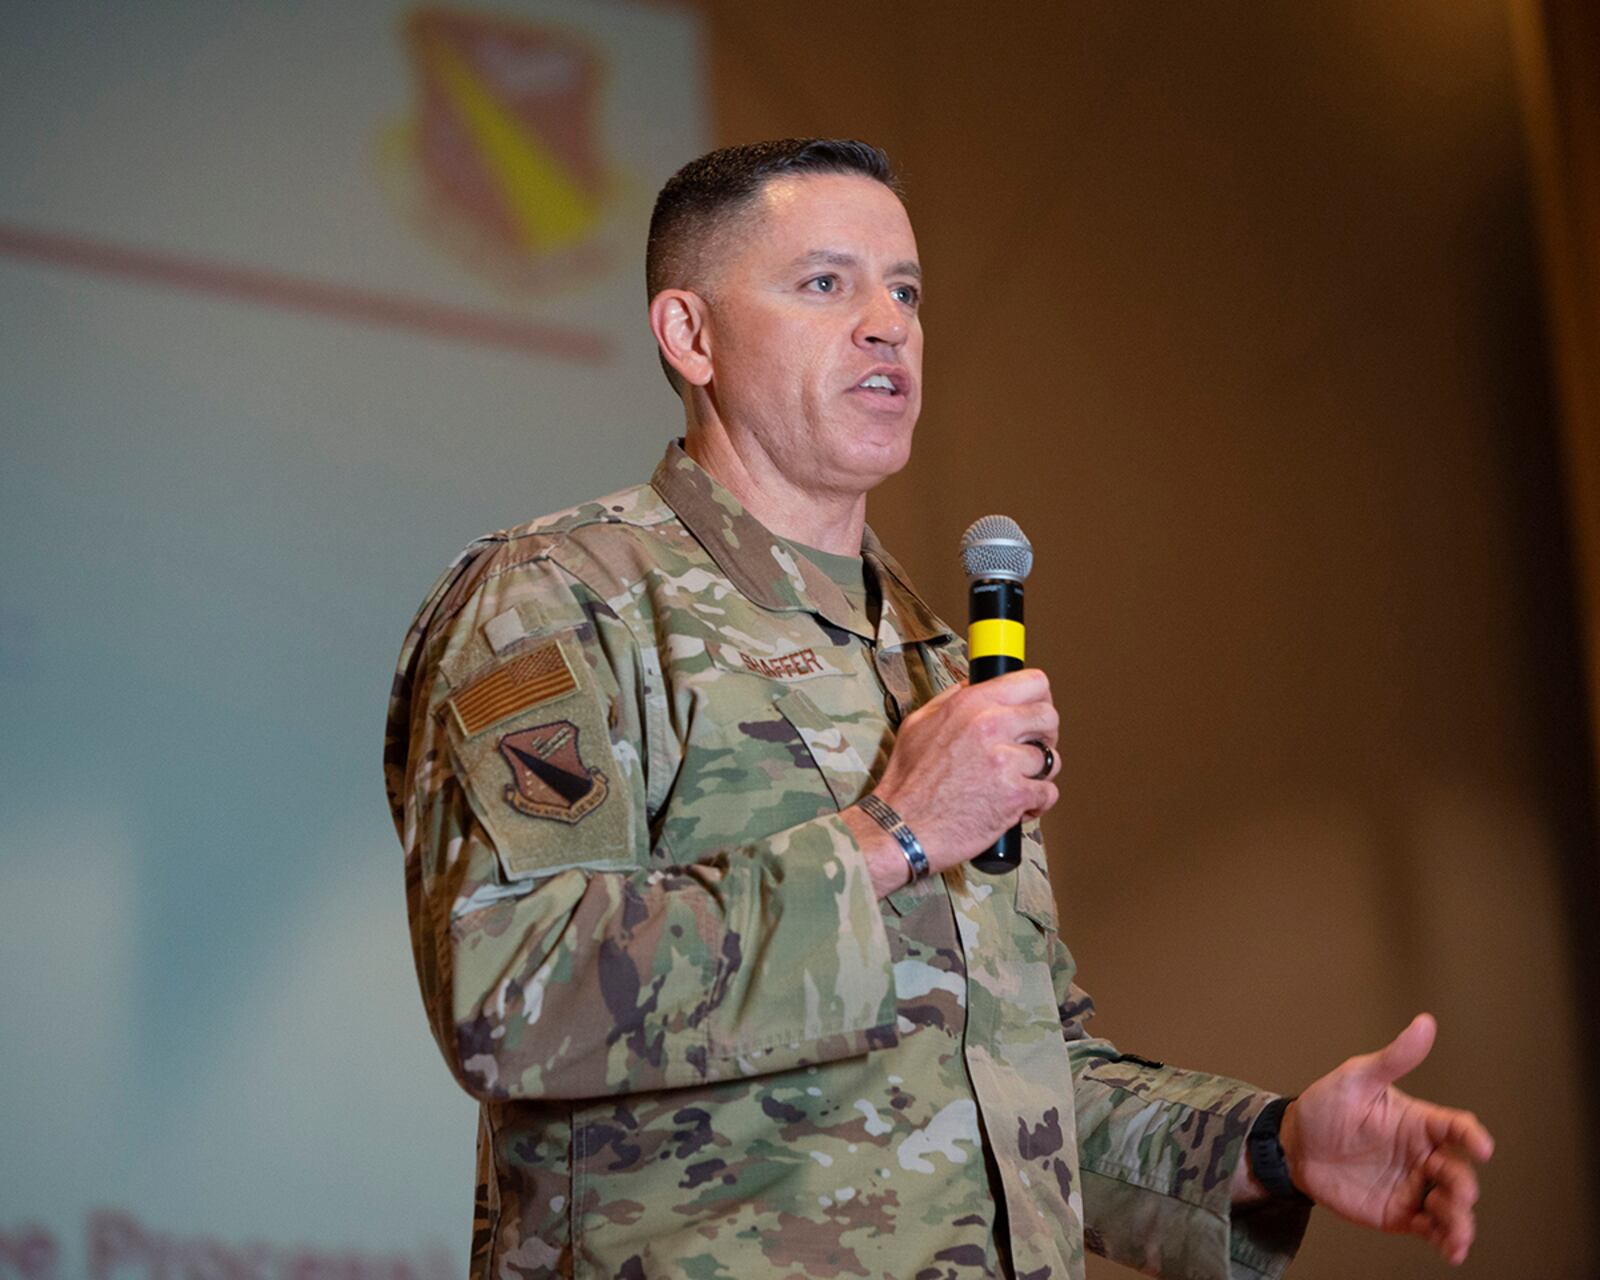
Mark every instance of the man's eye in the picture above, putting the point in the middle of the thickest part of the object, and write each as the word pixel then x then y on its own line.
pixel 823 284
pixel 906 294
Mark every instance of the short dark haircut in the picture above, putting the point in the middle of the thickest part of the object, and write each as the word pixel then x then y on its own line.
pixel 706 194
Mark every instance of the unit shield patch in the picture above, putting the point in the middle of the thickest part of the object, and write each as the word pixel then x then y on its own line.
pixel 548 777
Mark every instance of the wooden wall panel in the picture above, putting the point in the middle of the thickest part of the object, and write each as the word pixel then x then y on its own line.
pixel 1237 309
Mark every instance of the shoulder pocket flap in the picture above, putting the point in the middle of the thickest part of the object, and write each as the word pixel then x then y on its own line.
pixel 532 748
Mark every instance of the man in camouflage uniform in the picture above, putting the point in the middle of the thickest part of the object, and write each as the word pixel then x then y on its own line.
pixel 717 1025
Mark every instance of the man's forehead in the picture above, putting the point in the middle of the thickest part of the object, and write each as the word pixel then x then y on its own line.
pixel 804 194
pixel 833 218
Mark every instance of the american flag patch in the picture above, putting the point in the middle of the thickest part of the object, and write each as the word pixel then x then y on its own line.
pixel 535 677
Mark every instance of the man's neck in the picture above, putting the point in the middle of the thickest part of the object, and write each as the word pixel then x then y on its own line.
pixel 829 521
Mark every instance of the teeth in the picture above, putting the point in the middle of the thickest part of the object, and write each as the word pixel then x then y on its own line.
pixel 878 380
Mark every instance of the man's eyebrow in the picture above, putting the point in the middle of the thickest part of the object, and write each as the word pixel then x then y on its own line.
pixel 838 258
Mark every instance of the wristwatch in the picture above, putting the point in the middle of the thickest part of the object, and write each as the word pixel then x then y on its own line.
pixel 1266 1153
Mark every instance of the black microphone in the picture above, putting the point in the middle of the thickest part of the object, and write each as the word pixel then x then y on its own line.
pixel 997 557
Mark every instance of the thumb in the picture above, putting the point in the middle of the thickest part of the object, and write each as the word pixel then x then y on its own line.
pixel 1404 1053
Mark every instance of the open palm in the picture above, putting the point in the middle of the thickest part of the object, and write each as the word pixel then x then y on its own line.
pixel 1381 1158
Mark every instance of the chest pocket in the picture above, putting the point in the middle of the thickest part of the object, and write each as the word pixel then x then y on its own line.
pixel 760 758
pixel 841 765
pixel 848 779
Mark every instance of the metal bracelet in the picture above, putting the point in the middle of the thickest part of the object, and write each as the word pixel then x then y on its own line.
pixel 895 825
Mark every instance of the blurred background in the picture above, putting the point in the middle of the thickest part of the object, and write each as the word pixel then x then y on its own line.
pixel 1277 327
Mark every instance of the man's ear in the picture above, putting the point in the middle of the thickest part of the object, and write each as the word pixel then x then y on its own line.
pixel 680 319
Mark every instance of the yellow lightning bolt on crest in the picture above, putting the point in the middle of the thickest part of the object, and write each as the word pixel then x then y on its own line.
pixel 548 207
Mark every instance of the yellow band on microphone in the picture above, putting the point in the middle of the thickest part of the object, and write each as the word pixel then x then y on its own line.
pixel 996 638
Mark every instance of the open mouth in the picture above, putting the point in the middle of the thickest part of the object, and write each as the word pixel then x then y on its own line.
pixel 883 383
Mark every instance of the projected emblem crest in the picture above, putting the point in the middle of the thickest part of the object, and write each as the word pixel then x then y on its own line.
pixel 548 776
pixel 499 163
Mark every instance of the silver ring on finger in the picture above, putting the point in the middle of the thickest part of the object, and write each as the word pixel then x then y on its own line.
pixel 1049 759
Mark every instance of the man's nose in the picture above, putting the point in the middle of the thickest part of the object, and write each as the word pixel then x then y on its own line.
pixel 883 323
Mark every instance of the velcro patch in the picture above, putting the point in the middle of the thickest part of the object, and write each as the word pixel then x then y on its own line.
pixel 536 677
pixel 549 779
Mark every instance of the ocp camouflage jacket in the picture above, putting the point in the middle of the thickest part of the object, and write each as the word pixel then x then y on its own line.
pixel 619 741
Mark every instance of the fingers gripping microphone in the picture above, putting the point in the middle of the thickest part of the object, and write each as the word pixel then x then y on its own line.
pixel 997 557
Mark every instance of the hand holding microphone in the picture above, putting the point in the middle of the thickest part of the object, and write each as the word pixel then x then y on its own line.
pixel 978 758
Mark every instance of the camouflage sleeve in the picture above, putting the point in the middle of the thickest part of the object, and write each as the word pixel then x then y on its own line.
pixel 1157 1147
pixel 556 961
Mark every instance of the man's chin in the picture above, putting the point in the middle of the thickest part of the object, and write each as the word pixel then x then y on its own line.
pixel 872 465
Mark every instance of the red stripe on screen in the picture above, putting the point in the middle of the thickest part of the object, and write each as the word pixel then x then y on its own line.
pixel 367 307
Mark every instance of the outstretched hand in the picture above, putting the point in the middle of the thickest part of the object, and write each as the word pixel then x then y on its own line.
pixel 1381 1158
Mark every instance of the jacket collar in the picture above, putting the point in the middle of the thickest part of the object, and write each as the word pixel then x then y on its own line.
pixel 906 618
pixel 768 573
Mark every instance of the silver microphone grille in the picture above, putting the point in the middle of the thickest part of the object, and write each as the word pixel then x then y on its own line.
pixel 996 547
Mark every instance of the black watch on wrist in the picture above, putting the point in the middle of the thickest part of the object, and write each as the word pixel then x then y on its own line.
pixel 1265 1153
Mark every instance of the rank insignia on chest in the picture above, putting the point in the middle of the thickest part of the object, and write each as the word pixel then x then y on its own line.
pixel 953 674
pixel 548 777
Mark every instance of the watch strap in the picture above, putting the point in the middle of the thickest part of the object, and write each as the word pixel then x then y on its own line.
pixel 1266 1156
